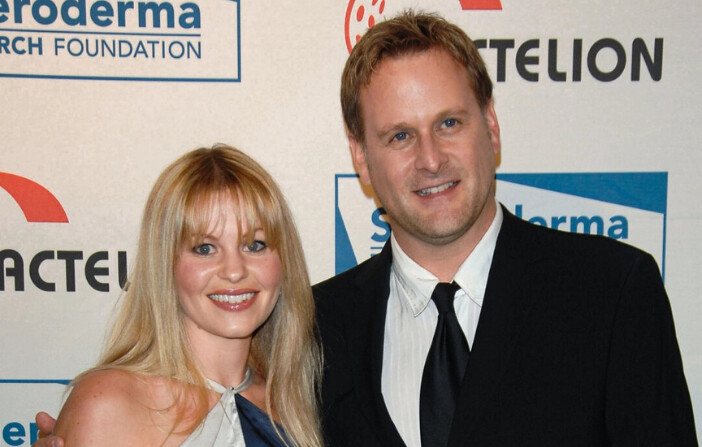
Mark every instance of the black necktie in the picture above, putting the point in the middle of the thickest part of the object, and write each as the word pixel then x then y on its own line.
pixel 443 370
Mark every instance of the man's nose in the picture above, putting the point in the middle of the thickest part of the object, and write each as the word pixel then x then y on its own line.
pixel 430 155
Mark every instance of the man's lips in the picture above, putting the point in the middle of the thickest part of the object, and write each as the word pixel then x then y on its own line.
pixel 436 189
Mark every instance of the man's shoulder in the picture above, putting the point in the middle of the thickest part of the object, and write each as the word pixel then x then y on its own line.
pixel 347 280
pixel 340 280
pixel 356 292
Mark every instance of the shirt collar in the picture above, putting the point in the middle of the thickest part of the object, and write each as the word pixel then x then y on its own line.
pixel 417 283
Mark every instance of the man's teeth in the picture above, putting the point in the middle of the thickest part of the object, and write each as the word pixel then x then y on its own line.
pixel 436 189
pixel 232 299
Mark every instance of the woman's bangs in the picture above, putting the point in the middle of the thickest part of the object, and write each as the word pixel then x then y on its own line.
pixel 259 208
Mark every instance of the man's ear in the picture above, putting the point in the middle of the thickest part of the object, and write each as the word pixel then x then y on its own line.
pixel 493 127
pixel 358 156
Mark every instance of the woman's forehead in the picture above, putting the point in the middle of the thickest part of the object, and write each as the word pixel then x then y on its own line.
pixel 224 208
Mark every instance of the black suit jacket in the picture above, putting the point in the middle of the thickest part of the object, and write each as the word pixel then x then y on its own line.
pixel 575 347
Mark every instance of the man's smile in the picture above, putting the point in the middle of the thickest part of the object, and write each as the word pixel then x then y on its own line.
pixel 436 189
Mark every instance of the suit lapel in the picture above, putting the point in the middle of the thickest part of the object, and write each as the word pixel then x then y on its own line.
pixel 505 310
pixel 373 283
pixel 506 307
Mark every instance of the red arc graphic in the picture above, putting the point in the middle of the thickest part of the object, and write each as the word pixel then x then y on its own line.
pixel 362 15
pixel 481 4
pixel 36 202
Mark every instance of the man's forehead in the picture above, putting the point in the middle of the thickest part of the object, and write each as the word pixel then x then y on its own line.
pixel 397 82
pixel 387 69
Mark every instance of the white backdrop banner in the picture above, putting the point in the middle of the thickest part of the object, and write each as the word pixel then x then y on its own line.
pixel 598 102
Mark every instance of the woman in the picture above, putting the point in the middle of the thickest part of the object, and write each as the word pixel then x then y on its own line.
pixel 214 341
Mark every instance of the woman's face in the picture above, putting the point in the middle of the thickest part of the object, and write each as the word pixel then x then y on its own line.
pixel 227 288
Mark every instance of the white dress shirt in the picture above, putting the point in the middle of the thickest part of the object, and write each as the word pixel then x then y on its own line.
pixel 411 321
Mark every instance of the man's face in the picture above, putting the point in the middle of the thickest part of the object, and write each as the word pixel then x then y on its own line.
pixel 429 151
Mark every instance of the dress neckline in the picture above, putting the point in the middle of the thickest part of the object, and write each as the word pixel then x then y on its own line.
pixel 248 380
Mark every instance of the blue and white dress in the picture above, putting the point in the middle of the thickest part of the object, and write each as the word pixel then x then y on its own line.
pixel 235 422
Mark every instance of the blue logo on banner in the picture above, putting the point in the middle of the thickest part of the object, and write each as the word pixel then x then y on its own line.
pixel 643 190
pixel 345 257
pixel 122 41
pixel 629 206
pixel 15 432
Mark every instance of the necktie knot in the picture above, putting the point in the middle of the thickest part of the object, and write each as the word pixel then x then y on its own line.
pixel 443 295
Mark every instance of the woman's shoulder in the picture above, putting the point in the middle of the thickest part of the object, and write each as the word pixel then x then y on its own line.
pixel 113 407
pixel 107 392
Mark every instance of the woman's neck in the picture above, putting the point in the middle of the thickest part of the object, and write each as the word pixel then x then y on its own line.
pixel 220 359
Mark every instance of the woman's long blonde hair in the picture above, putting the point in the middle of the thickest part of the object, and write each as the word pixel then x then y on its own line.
pixel 148 336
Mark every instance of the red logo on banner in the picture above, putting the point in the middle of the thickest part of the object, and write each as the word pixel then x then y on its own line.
pixel 361 15
pixel 36 202
pixel 481 4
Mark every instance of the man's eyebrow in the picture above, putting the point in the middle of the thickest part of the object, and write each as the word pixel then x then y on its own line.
pixel 459 111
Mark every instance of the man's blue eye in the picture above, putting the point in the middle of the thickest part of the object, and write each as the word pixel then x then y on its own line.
pixel 400 136
pixel 450 122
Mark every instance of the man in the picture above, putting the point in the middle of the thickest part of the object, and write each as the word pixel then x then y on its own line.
pixel 570 338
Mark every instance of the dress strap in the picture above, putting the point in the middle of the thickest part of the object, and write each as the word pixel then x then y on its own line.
pixel 222 425
pixel 221 389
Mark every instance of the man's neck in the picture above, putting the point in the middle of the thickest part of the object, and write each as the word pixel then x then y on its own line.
pixel 442 263
pixel 444 259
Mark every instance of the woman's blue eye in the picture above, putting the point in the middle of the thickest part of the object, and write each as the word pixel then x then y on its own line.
pixel 255 246
pixel 203 249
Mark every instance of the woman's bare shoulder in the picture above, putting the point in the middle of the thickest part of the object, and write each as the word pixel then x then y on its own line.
pixel 109 408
